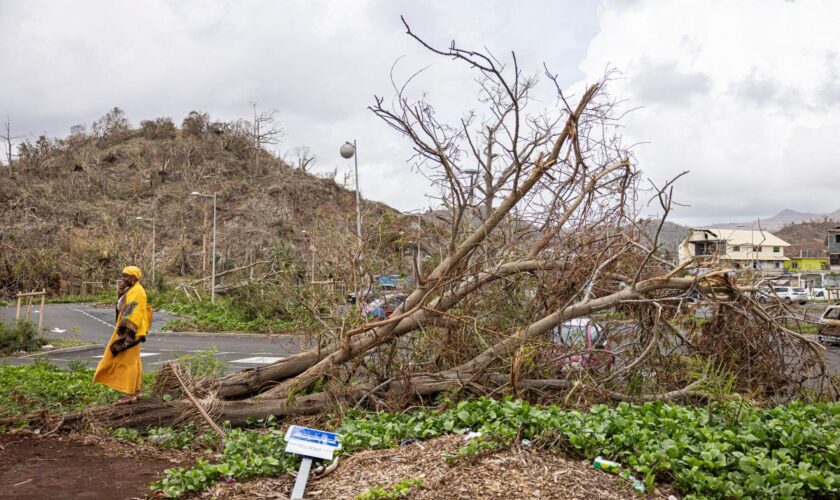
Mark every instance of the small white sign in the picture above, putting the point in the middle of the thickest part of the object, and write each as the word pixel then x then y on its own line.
pixel 311 442
pixel 258 360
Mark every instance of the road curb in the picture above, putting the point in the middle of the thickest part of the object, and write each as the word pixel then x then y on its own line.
pixel 63 350
pixel 219 334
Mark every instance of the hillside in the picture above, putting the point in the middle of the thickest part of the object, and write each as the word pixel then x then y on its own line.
pixel 807 239
pixel 784 218
pixel 70 207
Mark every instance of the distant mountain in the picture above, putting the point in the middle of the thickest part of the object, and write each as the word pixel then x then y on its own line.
pixel 784 218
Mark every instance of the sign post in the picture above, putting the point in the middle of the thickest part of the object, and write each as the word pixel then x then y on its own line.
pixel 309 443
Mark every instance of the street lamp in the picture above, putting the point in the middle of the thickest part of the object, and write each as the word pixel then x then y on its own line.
pixel 154 283
pixel 213 266
pixel 347 151
pixel 472 173
pixel 313 250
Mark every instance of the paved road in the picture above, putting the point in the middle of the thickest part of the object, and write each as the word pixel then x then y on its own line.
pixel 92 324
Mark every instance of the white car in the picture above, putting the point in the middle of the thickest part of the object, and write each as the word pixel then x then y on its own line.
pixel 791 295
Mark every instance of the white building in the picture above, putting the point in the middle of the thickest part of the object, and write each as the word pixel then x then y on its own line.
pixel 744 248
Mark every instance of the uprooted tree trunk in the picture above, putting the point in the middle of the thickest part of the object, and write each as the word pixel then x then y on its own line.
pixel 549 235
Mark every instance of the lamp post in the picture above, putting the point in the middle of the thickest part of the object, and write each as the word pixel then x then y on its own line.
pixel 472 173
pixel 312 249
pixel 347 151
pixel 213 259
pixel 154 239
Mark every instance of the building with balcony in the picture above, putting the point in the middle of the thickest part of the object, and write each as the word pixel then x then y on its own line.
pixel 742 248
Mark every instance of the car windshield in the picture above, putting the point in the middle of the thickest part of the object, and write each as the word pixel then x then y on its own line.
pixel 781 289
pixel 833 313
pixel 573 336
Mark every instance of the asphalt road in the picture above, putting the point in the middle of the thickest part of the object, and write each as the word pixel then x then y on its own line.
pixel 91 324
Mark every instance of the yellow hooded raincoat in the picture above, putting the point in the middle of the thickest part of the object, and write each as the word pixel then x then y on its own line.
pixel 124 371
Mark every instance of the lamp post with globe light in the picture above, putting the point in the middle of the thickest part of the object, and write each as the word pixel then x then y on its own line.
pixel 347 151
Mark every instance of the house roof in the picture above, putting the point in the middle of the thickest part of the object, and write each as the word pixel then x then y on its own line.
pixel 740 237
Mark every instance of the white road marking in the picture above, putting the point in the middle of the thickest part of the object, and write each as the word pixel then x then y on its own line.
pixel 57 330
pixel 258 360
pixel 89 315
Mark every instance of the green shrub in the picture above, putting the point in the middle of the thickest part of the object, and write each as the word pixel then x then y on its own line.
pixel 253 309
pixel 44 386
pixel 19 336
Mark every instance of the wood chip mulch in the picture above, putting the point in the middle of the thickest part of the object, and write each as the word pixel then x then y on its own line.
pixel 512 473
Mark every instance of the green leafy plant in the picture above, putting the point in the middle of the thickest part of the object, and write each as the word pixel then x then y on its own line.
pixel 132 435
pixel 44 386
pixel 246 454
pixel 399 490
pixel 790 450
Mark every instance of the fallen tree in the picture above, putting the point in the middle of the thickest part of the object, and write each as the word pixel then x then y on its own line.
pixel 543 232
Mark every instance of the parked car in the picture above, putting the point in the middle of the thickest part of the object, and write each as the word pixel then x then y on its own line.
pixel 384 307
pixel 829 329
pixel 582 344
pixel 789 294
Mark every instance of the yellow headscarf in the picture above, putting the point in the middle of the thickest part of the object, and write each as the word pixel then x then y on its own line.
pixel 133 271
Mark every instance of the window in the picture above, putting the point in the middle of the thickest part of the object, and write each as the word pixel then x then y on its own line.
pixel 736 248
pixel 837 238
pixel 833 313
pixel 706 248
pixel 778 265
pixel 794 265
pixel 777 249
pixel 756 249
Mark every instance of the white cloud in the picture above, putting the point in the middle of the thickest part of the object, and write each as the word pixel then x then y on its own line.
pixel 744 94
pixel 740 93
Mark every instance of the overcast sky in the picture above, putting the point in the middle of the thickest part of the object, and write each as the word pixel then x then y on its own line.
pixel 744 94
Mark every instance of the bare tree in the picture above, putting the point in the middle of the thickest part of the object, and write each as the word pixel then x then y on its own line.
pixel 265 132
pixel 7 139
pixel 300 158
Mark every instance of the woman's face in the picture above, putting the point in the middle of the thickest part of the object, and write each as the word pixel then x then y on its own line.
pixel 127 280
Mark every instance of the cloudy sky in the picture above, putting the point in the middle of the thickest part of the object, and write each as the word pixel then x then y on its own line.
pixel 744 94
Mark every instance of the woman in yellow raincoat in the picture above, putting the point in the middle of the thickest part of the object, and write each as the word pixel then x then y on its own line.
pixel 120 367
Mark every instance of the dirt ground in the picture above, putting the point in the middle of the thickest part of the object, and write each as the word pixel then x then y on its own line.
pixel 78 467
pixel 515 473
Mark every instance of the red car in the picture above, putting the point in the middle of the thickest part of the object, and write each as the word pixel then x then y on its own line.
pixel 582 344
